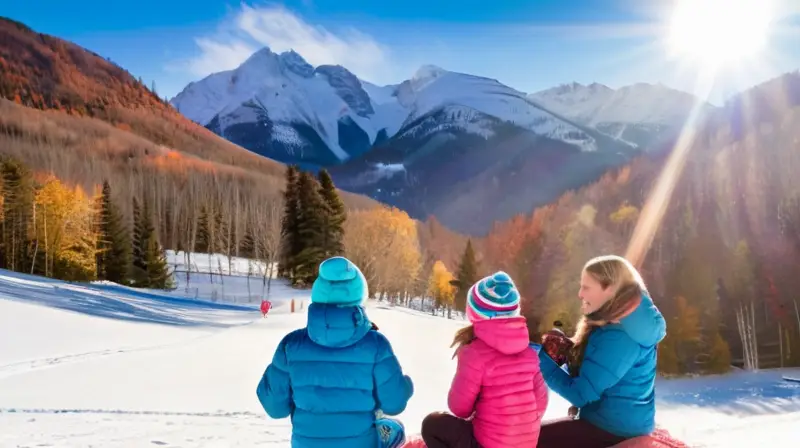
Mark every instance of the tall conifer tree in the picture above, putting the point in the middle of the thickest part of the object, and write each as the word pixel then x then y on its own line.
pixel 290 237
pixel 335 216
pixel 310 228
pixel 114 244
pixel 466 276
pixel 18 197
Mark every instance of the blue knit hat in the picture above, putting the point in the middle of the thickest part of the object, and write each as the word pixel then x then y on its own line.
pixel 494 297
pixel 339 282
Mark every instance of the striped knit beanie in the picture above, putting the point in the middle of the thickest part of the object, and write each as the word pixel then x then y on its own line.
pixel 494 297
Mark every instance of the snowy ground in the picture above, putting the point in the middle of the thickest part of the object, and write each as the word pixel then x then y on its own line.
pixel 103 365
pixel 241 281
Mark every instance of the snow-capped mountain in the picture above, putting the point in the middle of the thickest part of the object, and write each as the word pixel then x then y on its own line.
pixel 425 145
pixel 641 114
pixel 280 106
pixel 467 149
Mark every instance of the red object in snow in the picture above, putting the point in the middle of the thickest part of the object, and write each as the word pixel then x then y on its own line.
pixel 266 305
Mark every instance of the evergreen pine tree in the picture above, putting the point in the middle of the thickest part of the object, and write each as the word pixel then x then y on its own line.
pixel 139 247
pixel 18 197
pixel 150 268
pixel 203 243
pixel 157 270
pixel 220 234
pixel 335 216
pixel 113 254
pixel 290 238
pixel 249 244
pixel 310 228
pixel 466 277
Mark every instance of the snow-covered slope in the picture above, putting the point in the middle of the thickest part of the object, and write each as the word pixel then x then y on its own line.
pixel 73 377
pixel 282 107
pixel 467 97
pixel 639 113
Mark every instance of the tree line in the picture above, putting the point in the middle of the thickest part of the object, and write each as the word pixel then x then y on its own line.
pixel 55 230
pixel 722 267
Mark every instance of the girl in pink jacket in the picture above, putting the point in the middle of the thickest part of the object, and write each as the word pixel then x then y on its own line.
pixel 498 395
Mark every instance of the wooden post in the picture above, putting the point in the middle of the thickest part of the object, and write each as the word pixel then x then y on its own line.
pixel 292 306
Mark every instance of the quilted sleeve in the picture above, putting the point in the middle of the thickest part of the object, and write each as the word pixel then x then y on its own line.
pixel 608 358
pixel 466 383
pixel 392 388
pixel 274 391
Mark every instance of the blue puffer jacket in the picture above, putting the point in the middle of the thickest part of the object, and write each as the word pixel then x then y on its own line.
pixel 331 377
pixel 615 389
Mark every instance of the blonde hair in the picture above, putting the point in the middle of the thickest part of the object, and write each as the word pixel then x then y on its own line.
pixel 626 286
pixel 462 337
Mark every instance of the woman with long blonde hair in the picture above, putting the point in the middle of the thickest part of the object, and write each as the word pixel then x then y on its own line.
pixel 611 363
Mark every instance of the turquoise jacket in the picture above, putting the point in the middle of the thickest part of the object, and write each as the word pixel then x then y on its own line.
pixel 331 377
pixel 615 389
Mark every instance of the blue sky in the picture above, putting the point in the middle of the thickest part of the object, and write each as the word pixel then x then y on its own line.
pixel 527 44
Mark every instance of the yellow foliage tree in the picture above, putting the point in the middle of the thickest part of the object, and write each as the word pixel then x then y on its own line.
pixel 384 244
pixel 684 333
pixel 625 218
pixel 578 242
pixel 720 356
pixel 65 231
pixel 439 285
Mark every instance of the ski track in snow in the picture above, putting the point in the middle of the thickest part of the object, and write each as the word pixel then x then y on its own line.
pixel 28 366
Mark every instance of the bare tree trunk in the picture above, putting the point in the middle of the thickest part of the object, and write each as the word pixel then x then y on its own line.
pixel 270 270
pixel 740 322
pixel 753 330
pixel 47 269
pixel 797 314
pixel 232 221
pixel 36 247
pixel 780 341
pixel 249 274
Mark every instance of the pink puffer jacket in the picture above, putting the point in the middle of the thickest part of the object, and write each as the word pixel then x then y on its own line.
pixel 498 380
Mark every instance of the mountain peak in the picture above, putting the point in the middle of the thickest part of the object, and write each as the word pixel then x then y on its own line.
pixel 296 63
pixel 429 71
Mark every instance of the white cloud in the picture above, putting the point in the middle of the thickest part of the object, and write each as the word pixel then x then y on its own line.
pixel 281 30
pixel 217 56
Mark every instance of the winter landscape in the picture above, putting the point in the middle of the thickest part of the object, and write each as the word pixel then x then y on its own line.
pixel 89 365
pixel 163 173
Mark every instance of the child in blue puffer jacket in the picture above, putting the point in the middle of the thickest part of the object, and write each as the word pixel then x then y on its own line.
pixel 335 375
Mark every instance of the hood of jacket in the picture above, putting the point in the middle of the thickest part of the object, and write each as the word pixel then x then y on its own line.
pixel 508 335
pixel 333 325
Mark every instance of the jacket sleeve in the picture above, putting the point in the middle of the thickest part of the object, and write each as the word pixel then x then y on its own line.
pixel 466 384
pixel 646 324
pixel 609 355
pixel 392 388
pixel 275 389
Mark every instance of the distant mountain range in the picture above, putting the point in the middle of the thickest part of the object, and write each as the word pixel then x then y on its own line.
pixel 467 149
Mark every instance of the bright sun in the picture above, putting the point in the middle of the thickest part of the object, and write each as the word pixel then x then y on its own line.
pixel 714 33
